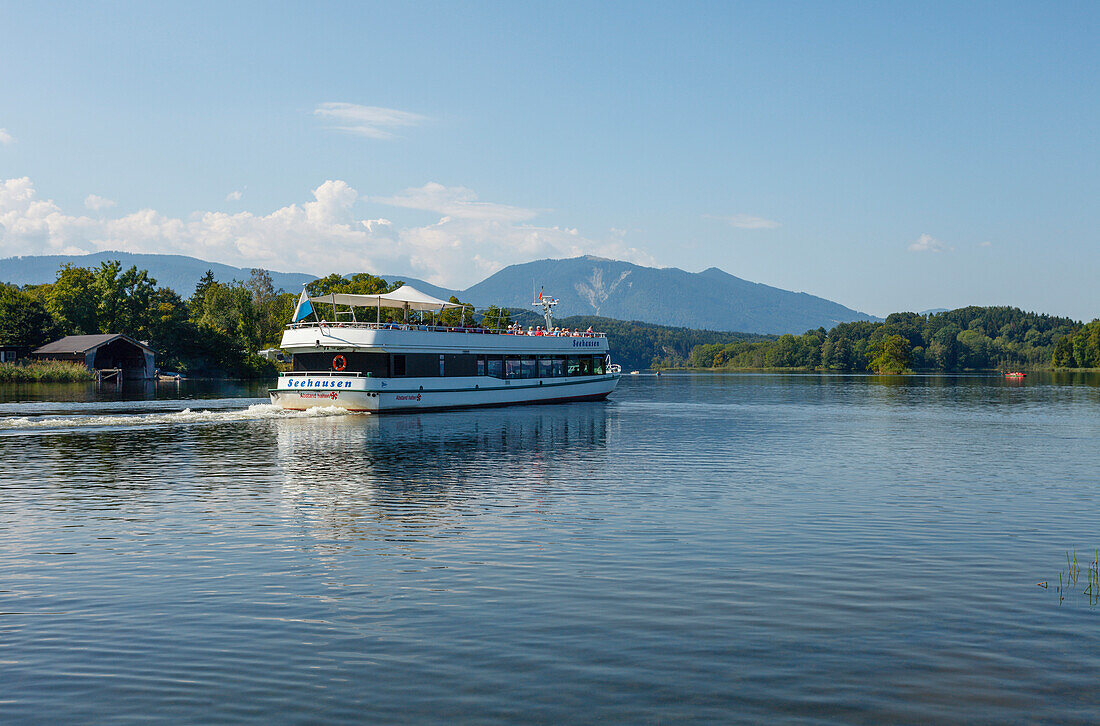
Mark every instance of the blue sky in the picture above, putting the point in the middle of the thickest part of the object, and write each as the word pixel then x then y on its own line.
pixel 885 157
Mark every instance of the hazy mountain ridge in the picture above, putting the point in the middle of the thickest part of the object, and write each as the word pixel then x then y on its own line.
pixel 711 299
pixel 178 272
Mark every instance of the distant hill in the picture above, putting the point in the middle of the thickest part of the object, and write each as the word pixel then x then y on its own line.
pixel 178 272
pixel 711 299
pixel 642 345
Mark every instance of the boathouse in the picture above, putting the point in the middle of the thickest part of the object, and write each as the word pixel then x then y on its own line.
pixel 110 352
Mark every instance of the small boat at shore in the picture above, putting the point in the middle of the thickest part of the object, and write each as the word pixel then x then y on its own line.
pixel 1015 374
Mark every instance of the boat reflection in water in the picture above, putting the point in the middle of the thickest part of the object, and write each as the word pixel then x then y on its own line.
pixel 353 473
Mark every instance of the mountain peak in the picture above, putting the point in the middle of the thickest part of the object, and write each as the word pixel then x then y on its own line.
pixel 712 299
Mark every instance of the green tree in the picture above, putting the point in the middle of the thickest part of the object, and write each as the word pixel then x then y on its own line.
pixel 73 302
pixel 945 347
pixel 464 316
pixel 326 285
pixel 124 298
pixel 267 308
pixel 197 302
pixel 890 355
pixel 24 320
pixel 496 318
pixel 167 315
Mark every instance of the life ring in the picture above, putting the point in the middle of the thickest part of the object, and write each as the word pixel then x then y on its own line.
pixel 339 363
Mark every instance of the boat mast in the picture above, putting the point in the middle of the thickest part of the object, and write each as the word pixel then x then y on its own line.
pixel 546 303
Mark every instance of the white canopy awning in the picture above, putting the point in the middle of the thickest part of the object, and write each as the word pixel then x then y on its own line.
pixel 404 296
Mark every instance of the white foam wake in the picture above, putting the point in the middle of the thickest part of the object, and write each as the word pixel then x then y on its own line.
pixel 255 412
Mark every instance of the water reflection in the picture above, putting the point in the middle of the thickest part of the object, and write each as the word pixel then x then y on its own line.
pixel 13 393
pixel 410 470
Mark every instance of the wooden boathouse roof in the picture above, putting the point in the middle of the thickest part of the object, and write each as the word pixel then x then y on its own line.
pixel 72 344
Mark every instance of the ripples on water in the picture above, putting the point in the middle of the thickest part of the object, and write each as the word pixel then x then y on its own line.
pixel 713 548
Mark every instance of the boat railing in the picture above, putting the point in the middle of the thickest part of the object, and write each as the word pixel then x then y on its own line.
pixel 440 329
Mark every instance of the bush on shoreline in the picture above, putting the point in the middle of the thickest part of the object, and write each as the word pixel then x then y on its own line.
pixel 49 371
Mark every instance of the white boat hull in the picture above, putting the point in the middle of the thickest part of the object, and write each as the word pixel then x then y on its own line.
pixel 300 391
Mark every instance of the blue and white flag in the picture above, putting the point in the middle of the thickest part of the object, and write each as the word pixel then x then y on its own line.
pixel 305 307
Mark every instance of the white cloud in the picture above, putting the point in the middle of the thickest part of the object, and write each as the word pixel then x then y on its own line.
pixel 457 202
pixel 370 121
pixel 928 243
pixel 318 236
pixel 95 202
pixel 234 196
pixel 746 221
pixel 987 243
pixel 5 137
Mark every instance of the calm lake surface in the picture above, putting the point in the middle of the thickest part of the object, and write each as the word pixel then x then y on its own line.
pixel 699 548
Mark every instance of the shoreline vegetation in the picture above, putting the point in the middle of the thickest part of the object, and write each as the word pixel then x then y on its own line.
pixel 46 371
pixel 219 331
pixel 971 339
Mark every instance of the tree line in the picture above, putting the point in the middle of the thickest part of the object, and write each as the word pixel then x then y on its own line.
pixel 971 338
pixel 221 327
pixel 218 330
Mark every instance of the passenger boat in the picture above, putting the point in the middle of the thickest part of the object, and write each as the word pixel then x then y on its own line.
pixel 382 367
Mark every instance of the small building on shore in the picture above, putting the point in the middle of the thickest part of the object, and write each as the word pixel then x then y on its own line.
pixel 106 352
pixel 9 353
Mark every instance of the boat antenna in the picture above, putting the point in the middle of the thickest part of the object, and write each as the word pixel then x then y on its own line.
pixel 546 303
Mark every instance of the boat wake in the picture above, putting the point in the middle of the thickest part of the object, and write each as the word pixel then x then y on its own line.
pixel 187 416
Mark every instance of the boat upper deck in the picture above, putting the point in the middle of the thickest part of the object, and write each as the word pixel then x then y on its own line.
pixel 555 333
pixel 302 337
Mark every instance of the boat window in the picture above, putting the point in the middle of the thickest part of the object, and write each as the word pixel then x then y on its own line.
pixel 399 365
pixel 494 367
pixel 557 366
pixel 511 368
pixel 481 365
pixel 597 364
pixel 442 371
pixel 528 367
pixel 573 366
pixel 586 366
pixel 546 367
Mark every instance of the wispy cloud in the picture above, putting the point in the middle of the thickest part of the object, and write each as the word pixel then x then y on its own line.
pixel 928 243
pixel 987 243
pixel 745 221
pixel 456 202
pixel 5 137
pixel 95 202
pixel 234 196
pixel 373 122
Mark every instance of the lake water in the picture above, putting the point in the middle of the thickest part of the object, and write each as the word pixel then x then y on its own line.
pixel 707 548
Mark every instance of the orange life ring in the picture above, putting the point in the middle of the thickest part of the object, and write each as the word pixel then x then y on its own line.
pixel 339 363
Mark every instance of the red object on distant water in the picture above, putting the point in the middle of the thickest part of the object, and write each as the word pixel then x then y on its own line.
pixel 1015 374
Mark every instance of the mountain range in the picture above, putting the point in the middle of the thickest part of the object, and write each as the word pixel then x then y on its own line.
pixel 711 299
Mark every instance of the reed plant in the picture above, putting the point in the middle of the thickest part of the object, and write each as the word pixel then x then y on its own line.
pixel 45 371
pixel 1071 573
